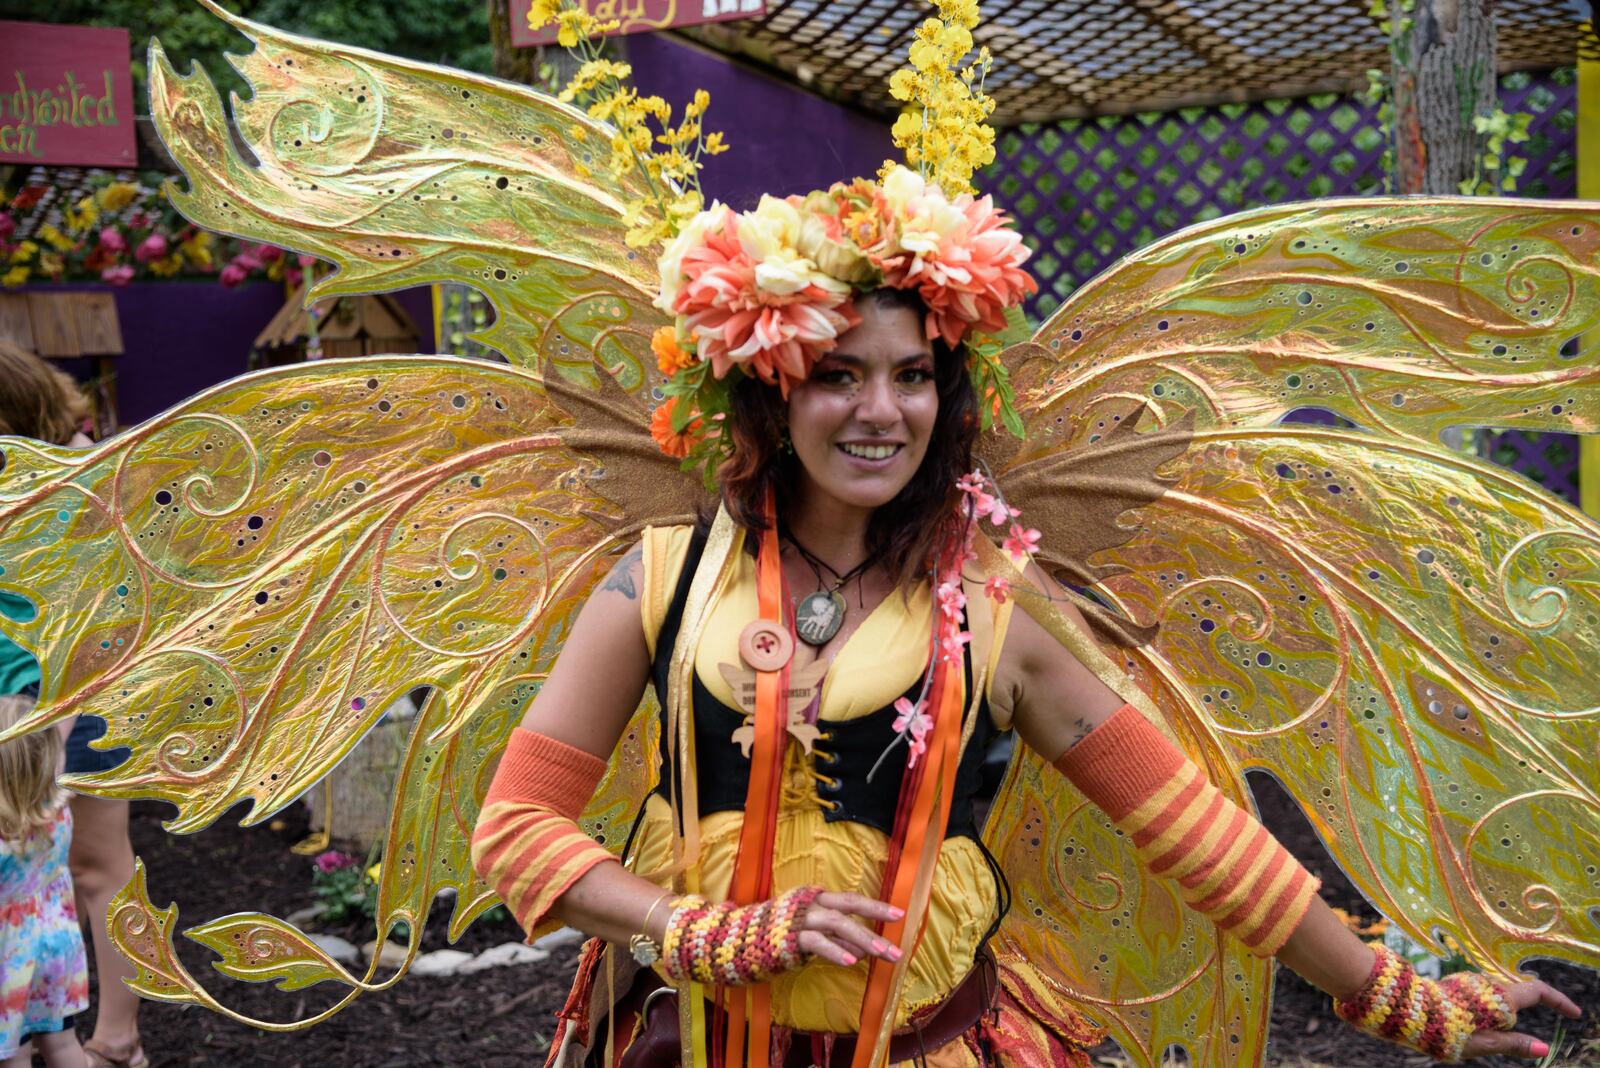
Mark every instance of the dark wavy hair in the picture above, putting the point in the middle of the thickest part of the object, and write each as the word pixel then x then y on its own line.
pixel 903 534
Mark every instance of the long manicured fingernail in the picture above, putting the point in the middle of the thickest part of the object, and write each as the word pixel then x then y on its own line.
pixel 897 914
pixel 879 946
pixel 1538 1049
pixel 849 960
pixel 896 952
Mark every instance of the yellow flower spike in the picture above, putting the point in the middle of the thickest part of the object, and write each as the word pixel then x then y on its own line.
pixel 713 145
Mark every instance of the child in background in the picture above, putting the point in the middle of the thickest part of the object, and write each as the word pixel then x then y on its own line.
pixel 44 978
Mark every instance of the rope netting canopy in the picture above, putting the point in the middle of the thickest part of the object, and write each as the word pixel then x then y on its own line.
pixel 1058 60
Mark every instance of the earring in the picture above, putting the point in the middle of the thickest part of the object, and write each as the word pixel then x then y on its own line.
pixel 785 443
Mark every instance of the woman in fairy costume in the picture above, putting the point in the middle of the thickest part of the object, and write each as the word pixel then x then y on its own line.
pixel 845 670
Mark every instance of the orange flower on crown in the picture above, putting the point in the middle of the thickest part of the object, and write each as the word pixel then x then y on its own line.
pixel 674 444
pixel 670 356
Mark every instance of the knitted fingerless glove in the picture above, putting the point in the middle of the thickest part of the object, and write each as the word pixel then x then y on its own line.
pixel 736 945
pixel 1432 1017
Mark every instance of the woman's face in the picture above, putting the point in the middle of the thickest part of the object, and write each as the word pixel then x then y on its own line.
pixel 861 423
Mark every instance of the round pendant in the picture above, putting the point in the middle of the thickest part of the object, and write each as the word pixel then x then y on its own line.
pixel 819 617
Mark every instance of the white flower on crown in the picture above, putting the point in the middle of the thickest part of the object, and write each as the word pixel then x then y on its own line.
pixel 924 217
pixel 771 237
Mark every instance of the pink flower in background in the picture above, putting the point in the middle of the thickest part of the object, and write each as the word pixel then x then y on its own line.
pixel 333 860
pixel 267 253
pixel 138 220
pixel 8 226
pixel 111 240
pixel 120 275
pixel 997 588
pixel 153 247
pixel 233 274
pixel 293 276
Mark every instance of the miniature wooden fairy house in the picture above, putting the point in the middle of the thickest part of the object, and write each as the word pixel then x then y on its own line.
pixel 335 327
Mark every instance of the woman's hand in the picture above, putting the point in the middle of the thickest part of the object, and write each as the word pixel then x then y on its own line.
pixel 1521 996
pixel 829 931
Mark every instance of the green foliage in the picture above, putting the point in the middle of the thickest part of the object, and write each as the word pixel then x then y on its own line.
pixel 454 32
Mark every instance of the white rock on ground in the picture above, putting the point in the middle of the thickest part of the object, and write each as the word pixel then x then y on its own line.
pixel 505 954
pixel 560 939
pixel 337 948
pixel 390 956
pixel 440 962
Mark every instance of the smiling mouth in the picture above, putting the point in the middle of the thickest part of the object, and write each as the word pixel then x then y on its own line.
pixel 870 452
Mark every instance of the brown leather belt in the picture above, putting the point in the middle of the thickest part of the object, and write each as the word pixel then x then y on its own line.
pixel 657 1045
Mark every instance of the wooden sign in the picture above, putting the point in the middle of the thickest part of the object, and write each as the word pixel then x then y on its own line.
pixel 638 16
pixel 66 95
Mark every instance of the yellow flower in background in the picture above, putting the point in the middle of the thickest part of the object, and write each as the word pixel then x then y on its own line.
pixel 15 276
pixel 197 250
pixel 51 264
pixel 55 238
pixel 167 266
pixel 542 12
pixel 85 215
pixel 24 252
pixel 117 195
pixel 375 871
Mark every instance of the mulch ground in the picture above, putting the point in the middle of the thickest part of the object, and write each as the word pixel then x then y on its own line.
pixel 500 1017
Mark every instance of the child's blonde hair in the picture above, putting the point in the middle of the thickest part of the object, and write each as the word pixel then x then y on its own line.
pixel 29 796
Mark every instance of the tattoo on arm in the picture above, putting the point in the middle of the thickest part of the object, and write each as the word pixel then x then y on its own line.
pixel 620 579
pixel 1080 730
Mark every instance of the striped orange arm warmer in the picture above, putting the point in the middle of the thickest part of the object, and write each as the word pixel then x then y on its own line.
pixel 1227 865
pixel 527 845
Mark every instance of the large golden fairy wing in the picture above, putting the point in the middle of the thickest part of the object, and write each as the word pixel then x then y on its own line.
pixel 1405 316
pixel 1398 633
pixel 402 173
pixel 241 586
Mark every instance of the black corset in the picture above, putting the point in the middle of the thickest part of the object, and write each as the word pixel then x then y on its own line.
pixel 844 754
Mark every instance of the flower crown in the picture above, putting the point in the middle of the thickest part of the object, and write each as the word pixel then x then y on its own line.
pixel 768 292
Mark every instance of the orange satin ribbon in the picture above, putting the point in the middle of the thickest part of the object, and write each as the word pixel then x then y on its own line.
pixel 928 815
pixel 752 872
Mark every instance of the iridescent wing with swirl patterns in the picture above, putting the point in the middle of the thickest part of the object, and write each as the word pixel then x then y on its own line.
pixel 1402 634
pixel 245 583
pixel 402 174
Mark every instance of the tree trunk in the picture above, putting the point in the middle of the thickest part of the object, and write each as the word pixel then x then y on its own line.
pixel 1443 76
pixel 510 62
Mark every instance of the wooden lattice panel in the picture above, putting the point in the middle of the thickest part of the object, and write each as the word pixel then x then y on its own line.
pixel 1099 57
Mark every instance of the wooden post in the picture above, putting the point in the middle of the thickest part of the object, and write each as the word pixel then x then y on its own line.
pixel 1444 71
pixel 1589 189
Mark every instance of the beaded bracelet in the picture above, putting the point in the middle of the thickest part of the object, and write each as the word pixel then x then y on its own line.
pixel 1432 1017
pixel 735 945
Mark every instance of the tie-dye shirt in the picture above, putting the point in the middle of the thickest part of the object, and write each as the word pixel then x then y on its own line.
pixel 43 978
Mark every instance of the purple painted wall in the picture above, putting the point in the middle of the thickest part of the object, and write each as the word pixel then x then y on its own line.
pixel 182 337
pixel 784 139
